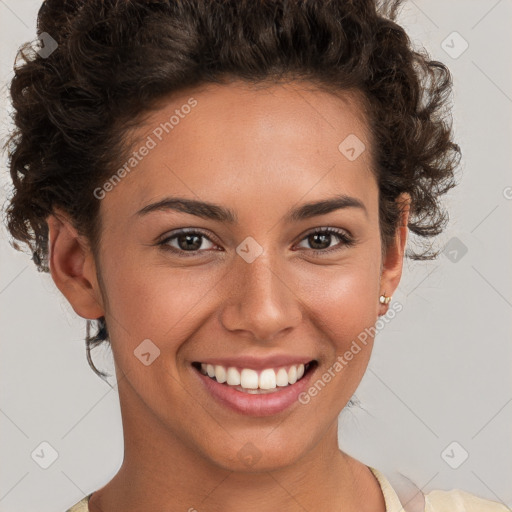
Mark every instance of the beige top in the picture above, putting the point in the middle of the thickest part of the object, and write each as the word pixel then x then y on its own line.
pixel 455 500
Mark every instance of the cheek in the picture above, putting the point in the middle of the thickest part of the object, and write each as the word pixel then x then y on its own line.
pixel 155 302
pixel 343 299
pixel 345 311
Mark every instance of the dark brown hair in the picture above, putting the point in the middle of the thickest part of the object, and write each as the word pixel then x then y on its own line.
pixel 118 59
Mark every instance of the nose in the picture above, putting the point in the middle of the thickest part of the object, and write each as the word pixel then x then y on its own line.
pixel 262 300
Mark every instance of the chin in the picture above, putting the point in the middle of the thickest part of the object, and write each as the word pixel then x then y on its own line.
pixel 259 455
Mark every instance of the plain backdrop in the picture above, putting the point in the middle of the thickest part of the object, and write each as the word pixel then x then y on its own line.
pixel 436 400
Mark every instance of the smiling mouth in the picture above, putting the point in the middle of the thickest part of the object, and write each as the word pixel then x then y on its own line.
pixel 248 380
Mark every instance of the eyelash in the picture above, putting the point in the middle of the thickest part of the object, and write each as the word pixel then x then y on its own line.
pixel 347 240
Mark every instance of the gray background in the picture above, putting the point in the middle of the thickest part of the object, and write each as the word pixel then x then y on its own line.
pixel 440 371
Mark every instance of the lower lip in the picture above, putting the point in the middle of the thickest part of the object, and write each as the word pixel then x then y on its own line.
pixel 256 404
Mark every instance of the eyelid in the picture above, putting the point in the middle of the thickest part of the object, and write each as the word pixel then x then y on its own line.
pixel 185 231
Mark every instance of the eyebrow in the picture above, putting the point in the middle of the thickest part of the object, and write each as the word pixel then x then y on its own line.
pixel 219 213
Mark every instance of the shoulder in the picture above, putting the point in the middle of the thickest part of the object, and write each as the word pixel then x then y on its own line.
pixel 458 500
pixel 81 506
pixel 404 493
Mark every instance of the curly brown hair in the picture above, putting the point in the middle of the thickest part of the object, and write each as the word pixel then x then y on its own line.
pixel 115 60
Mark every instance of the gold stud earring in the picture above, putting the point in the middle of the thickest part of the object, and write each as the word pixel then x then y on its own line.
pixel 383 299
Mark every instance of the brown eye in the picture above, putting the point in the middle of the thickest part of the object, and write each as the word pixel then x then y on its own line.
pixel 187 241
pixel 321 238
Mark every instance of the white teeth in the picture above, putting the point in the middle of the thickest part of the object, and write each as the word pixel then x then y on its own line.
pixel 220 373
pixel 233 377
pixel 282 377
pixel 292 375
pixel 249 379
pixel 267 379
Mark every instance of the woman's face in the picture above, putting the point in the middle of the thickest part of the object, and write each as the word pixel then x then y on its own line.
pixel 244 289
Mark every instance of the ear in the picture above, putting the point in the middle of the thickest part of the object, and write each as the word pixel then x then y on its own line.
pixel 72 266
pixel 393 260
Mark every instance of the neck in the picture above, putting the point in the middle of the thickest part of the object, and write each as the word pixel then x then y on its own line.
pixel 160 472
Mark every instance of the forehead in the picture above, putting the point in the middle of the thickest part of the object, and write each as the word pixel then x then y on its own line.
pixel 215 140
pixel 298 111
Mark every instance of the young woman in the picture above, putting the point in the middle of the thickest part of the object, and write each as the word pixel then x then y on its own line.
pixel 226 188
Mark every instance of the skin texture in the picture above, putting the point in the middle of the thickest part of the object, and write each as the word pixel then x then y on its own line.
pixel 259 152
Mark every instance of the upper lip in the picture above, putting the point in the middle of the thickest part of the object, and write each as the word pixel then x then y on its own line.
pixel 257 363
